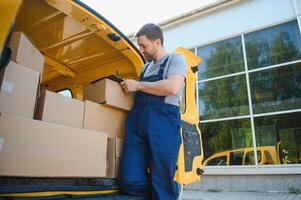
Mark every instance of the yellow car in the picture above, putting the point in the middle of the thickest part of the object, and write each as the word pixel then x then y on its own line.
pixel 245 156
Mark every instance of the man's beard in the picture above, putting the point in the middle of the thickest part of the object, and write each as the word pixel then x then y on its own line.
pixel 148 58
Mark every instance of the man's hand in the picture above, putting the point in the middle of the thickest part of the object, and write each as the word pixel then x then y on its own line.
pixel 166 87
pixel 130 85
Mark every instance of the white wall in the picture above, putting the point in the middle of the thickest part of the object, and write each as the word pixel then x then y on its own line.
pixel 245 16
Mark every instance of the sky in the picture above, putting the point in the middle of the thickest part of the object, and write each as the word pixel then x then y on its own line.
pixel 129 15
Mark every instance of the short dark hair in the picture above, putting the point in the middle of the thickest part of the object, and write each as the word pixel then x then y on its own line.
pixel 151 31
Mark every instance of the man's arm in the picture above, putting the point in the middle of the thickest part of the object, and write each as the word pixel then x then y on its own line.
pixel 166 87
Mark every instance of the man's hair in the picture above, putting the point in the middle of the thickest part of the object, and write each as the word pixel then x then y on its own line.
pixel 151 31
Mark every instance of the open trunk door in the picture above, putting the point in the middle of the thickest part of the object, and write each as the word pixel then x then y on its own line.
pixel 191 151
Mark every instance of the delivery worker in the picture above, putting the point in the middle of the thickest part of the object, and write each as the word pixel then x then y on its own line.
pixel 152 140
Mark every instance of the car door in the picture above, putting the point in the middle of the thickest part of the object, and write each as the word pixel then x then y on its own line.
pixel 191 152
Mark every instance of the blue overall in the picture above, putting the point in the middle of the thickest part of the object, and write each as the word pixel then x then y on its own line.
pixel 152 142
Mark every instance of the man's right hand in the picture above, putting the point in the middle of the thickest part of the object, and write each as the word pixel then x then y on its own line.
pixel 130 85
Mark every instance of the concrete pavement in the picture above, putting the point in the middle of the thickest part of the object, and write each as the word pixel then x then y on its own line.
pixel 210 195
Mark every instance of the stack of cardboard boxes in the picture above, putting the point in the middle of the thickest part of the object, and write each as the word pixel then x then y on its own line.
pixel 45 134
pixel 106 108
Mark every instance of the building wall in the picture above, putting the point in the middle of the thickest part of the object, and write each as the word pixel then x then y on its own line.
pixel 245 16
pixel 233 24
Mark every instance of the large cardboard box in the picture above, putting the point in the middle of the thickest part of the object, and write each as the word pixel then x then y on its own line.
pixel 113 156
pixel 56 108
pixel 112 167
pixel 103 118
pixel 115 146
pixel 109 93
pixel 119 146
pixel 35 148
pixel 25 53
pixel 117 164
pixel 19 90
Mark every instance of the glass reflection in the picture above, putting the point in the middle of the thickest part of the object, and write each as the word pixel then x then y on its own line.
pixel 273 45
pixel 276 89
pixel 223 98
pixel 227 142
pixel 281 135
pixel 278 137
pixel 221 58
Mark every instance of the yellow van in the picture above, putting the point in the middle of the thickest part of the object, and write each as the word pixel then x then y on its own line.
pixel 245 156
pixel 77 47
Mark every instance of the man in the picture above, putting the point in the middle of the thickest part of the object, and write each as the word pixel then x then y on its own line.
pixel 152 140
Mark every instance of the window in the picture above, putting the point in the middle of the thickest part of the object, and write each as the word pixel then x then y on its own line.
pixel 218 161
pixel 236 158
pixel 221 58
pixel 275 45
pixel 281 136
pixel 224 136
pixel 273 60
pixel 276 89
pixel 223 98
pixel 250 159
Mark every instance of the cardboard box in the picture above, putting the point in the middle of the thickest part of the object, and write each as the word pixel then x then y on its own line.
pixel 117 164
pixel 25 53
pixel 113 156
pixel 35 148
pixel 113 168
pixel 19 90
pixel 56 108
pixel 119 146
pixel 109 93
pixel 103 118
pixel 115 147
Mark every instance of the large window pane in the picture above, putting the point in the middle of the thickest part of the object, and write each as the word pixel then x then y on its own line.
pixel 276 89
pixel 223 98
pixel 221 58
pixel 274 45
pixel 279 138
pixel 227 142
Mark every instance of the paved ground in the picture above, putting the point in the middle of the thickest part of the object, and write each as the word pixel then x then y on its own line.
pixel 206 195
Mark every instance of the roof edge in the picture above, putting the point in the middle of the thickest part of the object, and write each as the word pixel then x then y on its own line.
pixel 191 14
pixel 195 13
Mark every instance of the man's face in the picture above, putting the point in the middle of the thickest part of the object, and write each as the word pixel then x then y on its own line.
pixel 148 47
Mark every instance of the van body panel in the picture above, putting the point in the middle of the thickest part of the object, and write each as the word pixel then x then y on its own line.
pixel 79 45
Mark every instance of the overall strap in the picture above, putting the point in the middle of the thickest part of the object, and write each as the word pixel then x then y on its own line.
pixel 159 75
pixel 162 66
pixel 143 72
